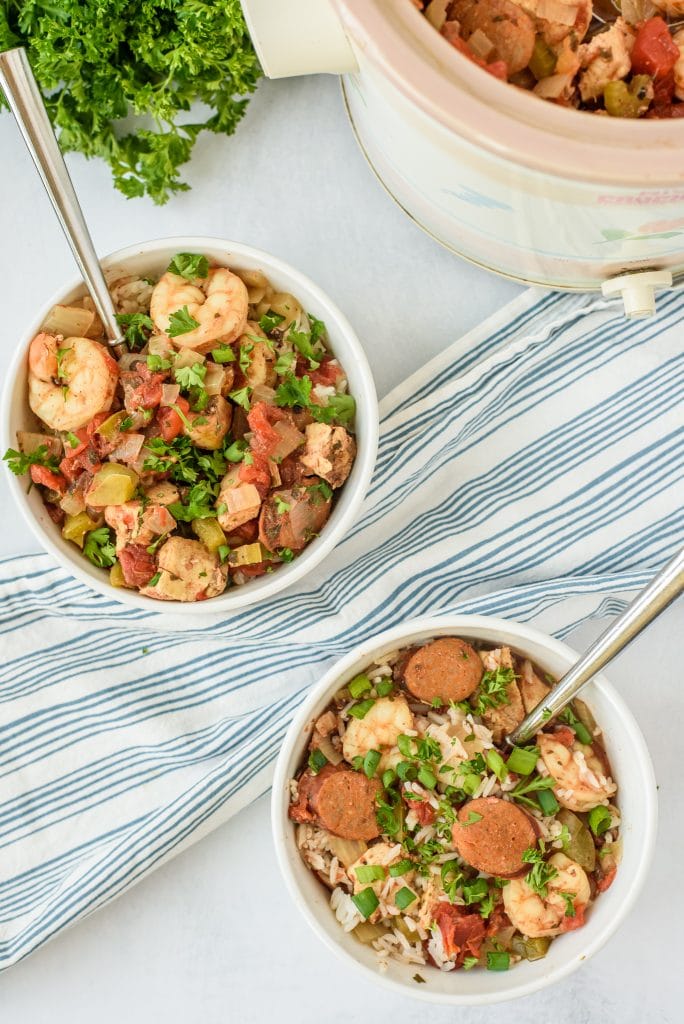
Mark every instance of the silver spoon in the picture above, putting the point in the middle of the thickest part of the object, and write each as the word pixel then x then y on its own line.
pixel 26 103
pixel 646 606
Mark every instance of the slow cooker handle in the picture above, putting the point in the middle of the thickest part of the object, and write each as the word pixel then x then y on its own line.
pixel 298 37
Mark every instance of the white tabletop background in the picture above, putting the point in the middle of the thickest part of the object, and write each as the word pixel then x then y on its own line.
pixel 212 937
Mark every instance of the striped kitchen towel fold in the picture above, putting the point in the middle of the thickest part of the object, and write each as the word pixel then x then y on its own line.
pixel 533 470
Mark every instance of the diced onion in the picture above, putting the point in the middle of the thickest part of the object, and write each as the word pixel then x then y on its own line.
pixel 481 45
pixel 170 393
pixel 28 442
pixel 129 448
pixel 214 379
pixel 436 12
pixel 262 393
pixel 159 345
pixel 347 850
pixel 557 12
pixel 72 503
pixel 634 11
pixel 128 359
pixel 332 754
pixel 187 357
pixel 552 87
pixel 69 321
pixel 290 439
pixel 247 554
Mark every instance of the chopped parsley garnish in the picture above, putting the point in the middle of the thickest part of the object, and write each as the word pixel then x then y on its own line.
pixel 223 551
pixel 384 687
pixel 74 441
pixel 569 898
pixel 339 408
pixel 533 785
pixel 470 962
pixel 317 760
pixel 190 376
pixel 284 363
pixel 491 693
pixel 294 391
pixel 269 321
pixel 472 818
pixel 189 265
pixel 282 507
pixel 599 819
pixel 541 873
pixel 199 504
pixel 137 328
pixel 236 451
pixel 245 358
pixel 181 322
pixel 304 342
pixel 419 979
pixel 157 363
pixel 241 397
pixel 99 547
pixel 321 488
pixel 475 891
pixel 20 462
pixel 155 580
pixel 452 878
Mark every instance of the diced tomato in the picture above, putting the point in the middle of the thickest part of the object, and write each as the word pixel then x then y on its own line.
pixel 462 931
pixel 571 923
pixel 422 810
pixel 142 388
pixel 257 473
pixel 82 435
pixel 564 734
pixel 498 68
pixel 137 564
pixel 96 422
pixel 654 52
pixel 327 374
pixel 170 423
pixel 46 477
pixel 258 569
pixel 85 458
pixel 261 418
pixel 607 880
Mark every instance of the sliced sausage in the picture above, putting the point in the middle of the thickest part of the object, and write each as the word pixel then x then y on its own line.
pixel 291 517
pixel 340 800
pixel 445 669
pixel 495 841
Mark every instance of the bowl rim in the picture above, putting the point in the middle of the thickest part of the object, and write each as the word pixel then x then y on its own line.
pixel 298 730
pixel 236 598
pixel 505 121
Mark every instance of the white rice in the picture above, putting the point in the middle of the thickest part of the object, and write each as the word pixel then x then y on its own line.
pixel 346 911
pixel 436 951
pixel 130 294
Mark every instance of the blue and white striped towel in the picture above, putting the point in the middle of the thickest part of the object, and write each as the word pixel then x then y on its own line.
pixel 533 470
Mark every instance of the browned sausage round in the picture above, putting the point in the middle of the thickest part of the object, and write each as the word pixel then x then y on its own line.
pixel 340 800
pixel 444 670
pixel 496 840
pixel 506 25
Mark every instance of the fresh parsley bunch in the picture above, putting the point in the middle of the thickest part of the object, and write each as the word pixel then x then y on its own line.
pixel 101 61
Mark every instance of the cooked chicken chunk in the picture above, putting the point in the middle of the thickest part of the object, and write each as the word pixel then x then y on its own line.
pixel 187 572
pixel 606 59
pixel 132 522
pixel 329 452
pixel 242 501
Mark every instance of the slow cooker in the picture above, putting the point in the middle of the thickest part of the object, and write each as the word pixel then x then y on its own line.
pixel 539 193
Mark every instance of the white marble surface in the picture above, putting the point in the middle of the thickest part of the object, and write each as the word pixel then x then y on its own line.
pixel 212 937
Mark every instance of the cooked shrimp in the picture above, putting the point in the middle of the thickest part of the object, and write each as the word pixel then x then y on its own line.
pixel 219 303
pixel 383 723
pixel 580 774
pixel 70 381
pixel 534 915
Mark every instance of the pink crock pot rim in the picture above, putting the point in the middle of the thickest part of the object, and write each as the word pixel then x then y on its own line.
pixel 493 115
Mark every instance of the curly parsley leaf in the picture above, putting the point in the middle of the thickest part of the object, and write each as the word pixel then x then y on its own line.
pixel 99 547
pixel 20 462
pixel 119 78
pixel 181 322
pixel 189 265
pixel 137 328
pixel 294 391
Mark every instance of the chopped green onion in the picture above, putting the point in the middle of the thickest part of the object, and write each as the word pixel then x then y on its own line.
pixel 599 819
pixel 426 777
pixel 496 764
pixel 361 684
pixel 523 760
pixel 476 891
pixel 388 778
pixel 581 731
pixel 473 817
pixel 498 961
pixel 547 801
pixel 72 439
pixel 357 763
pixel 370 873
pixel 404 898
pixel 401 867
pixel 317 760
pixel 371 762
pixel 406 771
pixel 470 784
pixel 361 710
pixel 384 687
pixel 470 962
pixel 405 744
pixel 366 902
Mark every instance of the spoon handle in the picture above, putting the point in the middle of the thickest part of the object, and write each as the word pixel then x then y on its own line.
pixel 26 103
pixel 649 603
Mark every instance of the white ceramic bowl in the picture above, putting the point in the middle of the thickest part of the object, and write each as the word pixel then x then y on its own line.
pixel 637 799
pixel 152 258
